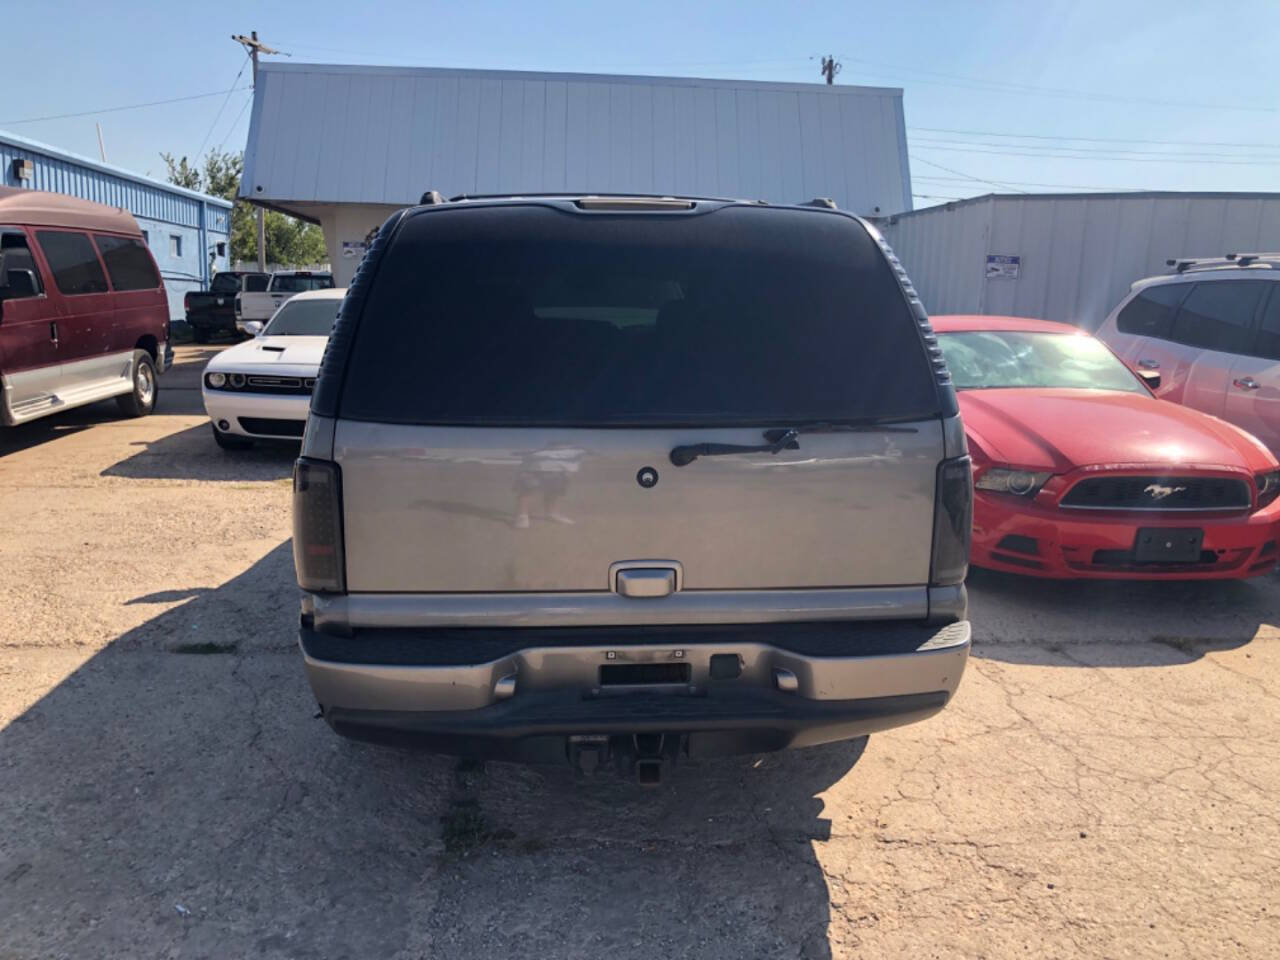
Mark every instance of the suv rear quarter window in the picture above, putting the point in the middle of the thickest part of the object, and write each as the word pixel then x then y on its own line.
pixel 73 261
pixel 535 316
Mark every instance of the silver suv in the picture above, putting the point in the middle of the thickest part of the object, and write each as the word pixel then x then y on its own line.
pixel 633 478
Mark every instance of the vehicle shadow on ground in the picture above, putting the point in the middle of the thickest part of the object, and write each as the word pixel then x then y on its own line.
pixel 192 454
pixel 1113 622
pixel 174 795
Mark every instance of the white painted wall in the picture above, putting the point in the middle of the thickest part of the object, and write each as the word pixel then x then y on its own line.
pixel 1079 253
pixel 349 223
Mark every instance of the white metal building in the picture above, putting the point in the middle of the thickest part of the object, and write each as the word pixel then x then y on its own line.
pixel 345 146
pixel 1068 257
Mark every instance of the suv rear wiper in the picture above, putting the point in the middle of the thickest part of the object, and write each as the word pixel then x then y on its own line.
pixel 777 440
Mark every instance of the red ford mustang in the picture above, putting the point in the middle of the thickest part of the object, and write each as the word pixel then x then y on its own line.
pixel 1080 472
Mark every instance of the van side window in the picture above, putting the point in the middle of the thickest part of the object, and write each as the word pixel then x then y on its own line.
pixel 19 277
pixel 1150 313
pixel 1219 316
pixel 1267 343
pixel 73 261
pixel 127 262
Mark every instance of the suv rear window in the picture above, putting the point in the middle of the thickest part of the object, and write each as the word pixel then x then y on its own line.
pixel 534 316
pixel 1150 313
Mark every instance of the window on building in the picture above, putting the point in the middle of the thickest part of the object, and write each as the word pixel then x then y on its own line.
pixel 175 245
pixel 1219 315
pixel 1267 343
pixel 18 271
pixel 128 263
pixel 74 262
pixel 1150 313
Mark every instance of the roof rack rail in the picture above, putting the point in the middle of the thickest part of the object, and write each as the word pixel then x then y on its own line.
pixel 1268 260
pixel 824 202
pixel 431 197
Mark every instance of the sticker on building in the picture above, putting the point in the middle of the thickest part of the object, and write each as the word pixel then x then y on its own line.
pixel 353 249
pixel 1002 267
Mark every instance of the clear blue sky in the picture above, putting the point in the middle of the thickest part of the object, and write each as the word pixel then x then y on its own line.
pixel 1176 73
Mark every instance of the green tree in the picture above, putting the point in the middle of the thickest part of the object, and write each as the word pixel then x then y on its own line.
pixel 290 242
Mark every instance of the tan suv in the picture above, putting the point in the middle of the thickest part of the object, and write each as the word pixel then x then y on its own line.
pixel 631 478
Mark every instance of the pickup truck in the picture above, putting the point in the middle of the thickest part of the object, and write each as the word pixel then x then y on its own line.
pixel 212 311
pixel 260 306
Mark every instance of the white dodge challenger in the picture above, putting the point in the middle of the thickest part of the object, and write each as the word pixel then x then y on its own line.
pixel 261 389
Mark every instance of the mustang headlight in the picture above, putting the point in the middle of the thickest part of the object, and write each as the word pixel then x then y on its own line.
pixel 1022 483
pixel 1268 486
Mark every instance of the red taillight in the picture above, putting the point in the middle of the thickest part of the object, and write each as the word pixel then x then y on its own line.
pixel 952 522
pixel 317 525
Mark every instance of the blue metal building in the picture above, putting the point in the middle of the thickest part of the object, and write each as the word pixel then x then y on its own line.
pixel 183 228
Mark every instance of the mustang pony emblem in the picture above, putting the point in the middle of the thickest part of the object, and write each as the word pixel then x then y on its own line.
pixel 1158 491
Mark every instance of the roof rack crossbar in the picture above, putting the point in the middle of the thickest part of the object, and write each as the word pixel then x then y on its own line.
pixel 1182 265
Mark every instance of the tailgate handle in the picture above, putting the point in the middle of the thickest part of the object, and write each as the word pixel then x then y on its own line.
pixel 646 582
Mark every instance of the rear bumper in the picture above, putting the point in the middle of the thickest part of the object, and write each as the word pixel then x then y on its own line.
pixel 450 690
pixel 1091 545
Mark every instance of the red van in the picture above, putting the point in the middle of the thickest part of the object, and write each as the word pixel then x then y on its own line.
pixel 83 312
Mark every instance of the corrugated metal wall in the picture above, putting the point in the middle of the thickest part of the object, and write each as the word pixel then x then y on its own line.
pixel 1079 254
pixel 162 211
pixel 322 133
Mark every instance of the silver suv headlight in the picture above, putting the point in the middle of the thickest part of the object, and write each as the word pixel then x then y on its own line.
pixel 1022 483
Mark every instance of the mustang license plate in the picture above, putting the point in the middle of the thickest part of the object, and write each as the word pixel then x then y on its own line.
pixel 1168 545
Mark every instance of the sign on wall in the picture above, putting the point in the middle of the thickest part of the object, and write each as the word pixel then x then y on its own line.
pixel 353 250
pixel 1002 267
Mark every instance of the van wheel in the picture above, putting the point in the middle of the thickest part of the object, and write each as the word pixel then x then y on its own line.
pixel 141 400
pixel 229 441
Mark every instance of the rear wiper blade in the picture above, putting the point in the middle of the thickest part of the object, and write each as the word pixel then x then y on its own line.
pixel 777 439
pixel 686 453
pixel 822 426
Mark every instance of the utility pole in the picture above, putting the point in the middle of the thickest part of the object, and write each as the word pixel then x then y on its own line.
pixel 829 69
pixel 255 47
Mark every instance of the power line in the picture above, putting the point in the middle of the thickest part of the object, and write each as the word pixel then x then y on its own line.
pixel 1042 136
pixel 1054 149
pixel 1032 183
pixel 1101 159
pixel 218 116
pixel 230 130
pixel 1024 89
pixel 961 173
pixel 131 106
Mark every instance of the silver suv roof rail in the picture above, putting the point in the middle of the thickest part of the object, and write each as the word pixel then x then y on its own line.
pixel 1269 260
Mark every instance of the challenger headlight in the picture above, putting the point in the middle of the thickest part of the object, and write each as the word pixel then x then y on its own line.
pixel 216 380
pixel 1022 483
pixel 1268 486
pixel 237 380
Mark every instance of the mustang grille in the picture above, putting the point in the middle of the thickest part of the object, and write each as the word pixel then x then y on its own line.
pixel 1159 493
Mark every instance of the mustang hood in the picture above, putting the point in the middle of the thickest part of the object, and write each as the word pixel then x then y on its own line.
pixel 1057 430
pixel 272 352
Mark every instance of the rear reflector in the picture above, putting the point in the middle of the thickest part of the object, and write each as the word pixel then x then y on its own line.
pixel 317 525
pixel 952 522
